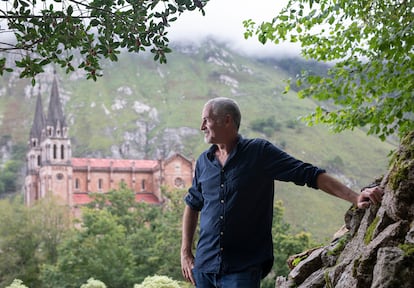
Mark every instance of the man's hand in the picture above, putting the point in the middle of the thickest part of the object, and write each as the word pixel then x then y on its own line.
pixel 187 264
pixel 190 219
pixel 370 196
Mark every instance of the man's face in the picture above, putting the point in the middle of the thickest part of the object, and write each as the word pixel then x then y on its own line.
pixel 211 126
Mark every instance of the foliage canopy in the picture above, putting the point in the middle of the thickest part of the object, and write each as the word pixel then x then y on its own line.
pixel 40 32
pixel 371 46
pixel 120 243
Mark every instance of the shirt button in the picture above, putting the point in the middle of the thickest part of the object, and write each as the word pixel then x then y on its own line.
pixel 221 233
pixel 222 201
pixel 221 217
pixel 221 185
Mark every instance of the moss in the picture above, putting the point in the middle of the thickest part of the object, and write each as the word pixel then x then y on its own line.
pixel 328 282
pixel 355 267
pixel 297 260
pixel 339 246
pixel 370 231
pixel 401 161
pixel 408 140
pixel 407 248
pixel 398 175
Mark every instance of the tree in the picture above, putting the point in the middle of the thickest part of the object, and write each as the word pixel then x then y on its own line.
pixel 10 171
pixel 98 250
pixel 120 242
pixel 285 244
pixel 167 233
pixel 371 46
pixel 29 237
pixel 42 32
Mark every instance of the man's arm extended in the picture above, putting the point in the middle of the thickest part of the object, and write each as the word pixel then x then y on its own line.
pixel 363 200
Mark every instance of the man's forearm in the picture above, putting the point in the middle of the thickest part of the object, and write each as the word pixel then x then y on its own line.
pixel 332 186
pixel 190 219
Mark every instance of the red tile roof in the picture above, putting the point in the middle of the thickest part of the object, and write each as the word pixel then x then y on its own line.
pixel 115 163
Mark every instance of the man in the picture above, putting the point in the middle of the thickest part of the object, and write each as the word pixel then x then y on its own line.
pixel 233 190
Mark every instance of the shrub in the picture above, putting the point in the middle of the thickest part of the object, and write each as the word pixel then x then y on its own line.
pixel 17 284
pixel 92 283
pixel 158 281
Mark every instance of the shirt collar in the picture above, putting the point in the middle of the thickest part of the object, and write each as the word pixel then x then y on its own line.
pixel 213 148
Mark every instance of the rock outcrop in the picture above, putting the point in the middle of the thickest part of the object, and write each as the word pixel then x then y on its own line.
pixel 377 249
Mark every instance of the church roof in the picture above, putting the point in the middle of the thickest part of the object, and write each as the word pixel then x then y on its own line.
pixel 114 163
pixel 177 155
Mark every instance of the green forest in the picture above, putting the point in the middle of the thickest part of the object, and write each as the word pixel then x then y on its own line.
pixel 117 242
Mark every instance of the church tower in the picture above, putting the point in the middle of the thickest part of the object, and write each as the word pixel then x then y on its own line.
pixel 33 157
pixel 49 167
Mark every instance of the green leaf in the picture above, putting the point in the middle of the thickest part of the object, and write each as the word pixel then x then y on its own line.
pixel 283 18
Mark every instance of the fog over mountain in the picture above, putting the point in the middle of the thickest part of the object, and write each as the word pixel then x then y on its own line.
pixel 223 21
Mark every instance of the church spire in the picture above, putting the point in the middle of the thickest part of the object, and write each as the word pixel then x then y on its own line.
pixel 38 121
pixel 55 118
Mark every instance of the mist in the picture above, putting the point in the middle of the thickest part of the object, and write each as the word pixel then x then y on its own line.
pixel 223 22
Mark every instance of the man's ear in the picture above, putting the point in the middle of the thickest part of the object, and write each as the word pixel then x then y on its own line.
pixel 227 119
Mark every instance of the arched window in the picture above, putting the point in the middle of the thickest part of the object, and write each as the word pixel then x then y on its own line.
pixel 143 184
pixel 179 182
pixel 54 151
pixel 100 184
pixel 62 152
pixel 77 184
pixel 38 160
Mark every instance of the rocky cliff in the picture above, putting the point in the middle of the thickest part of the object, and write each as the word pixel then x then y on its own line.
pixel 377 246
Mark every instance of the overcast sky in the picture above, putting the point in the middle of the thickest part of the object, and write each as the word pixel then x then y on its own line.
pixel 224 21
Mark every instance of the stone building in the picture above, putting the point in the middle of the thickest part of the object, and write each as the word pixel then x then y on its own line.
pixel 51 168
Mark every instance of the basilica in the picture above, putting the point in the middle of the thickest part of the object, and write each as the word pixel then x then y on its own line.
pixel 51 169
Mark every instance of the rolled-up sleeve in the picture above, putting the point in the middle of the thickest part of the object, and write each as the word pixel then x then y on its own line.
pixel 283 167
pixel 194 198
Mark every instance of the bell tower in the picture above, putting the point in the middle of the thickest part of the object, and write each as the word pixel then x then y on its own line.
pixel 49 169
pixel 34 154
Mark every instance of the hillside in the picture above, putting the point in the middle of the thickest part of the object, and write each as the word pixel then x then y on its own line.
pixel 141 109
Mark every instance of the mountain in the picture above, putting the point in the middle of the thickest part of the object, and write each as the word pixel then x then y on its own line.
pixel 142 109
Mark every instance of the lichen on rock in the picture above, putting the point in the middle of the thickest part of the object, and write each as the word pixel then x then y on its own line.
pixel 377 251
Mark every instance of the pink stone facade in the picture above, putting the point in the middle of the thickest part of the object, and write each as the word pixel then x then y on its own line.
pixel 51 169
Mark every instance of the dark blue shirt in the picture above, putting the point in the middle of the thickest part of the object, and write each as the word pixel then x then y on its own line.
pixel 236 204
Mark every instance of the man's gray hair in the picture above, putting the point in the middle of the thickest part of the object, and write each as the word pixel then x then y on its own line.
pixel 222 106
